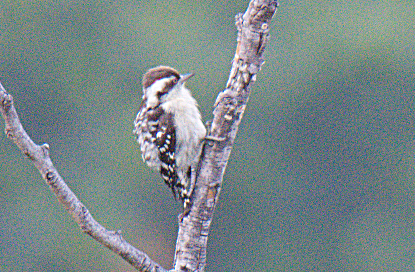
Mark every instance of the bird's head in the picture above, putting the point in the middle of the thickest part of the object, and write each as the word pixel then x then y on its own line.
pixel 160 81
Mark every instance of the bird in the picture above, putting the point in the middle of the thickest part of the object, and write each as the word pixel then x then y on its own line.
pixel 169 129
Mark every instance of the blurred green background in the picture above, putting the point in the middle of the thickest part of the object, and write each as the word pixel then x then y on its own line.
pixel 322 175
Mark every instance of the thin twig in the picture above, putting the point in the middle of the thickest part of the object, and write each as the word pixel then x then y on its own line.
pixel 40 156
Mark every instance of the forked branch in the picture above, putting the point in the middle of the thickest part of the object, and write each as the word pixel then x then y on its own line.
pixel 253 27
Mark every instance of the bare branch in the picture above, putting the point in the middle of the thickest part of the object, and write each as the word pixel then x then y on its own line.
pixel 253 27
pixel 229 107
pixel 40 156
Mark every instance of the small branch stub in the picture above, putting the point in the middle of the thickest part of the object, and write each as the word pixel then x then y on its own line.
pixel 253 27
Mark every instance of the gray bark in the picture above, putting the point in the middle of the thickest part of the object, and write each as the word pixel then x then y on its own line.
pixel 195 223
pixel 229 107
pixel 39 154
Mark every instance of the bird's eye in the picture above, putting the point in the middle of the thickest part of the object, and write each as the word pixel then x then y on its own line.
pixel 175 80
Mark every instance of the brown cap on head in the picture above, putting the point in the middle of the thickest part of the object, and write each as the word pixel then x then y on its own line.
pixel 157 73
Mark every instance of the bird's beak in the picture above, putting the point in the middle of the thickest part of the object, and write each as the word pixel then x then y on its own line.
pixel 185 77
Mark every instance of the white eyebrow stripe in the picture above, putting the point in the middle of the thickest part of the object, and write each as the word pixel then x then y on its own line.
pixel 153 89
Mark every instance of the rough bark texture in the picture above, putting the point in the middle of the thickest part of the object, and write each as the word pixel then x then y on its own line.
pixel 229 108
pixel 40 156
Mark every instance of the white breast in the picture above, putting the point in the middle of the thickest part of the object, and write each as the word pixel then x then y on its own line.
pixel 190 130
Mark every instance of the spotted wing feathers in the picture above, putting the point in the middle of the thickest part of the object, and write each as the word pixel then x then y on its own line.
pixel 146 126
pixel 156 135
pixel 166 143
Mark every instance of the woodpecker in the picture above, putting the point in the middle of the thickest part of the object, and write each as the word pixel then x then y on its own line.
pixel 169 129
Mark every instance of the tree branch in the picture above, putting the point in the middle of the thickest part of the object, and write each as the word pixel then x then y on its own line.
pixel 229 107
pixel 40 156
